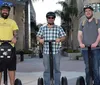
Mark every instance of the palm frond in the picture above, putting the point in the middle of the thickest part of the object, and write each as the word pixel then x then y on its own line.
pixel 63 4
pixel 58 13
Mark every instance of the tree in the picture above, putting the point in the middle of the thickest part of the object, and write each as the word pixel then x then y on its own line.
pixel 68 14
pixel 65 19
pixel 73 11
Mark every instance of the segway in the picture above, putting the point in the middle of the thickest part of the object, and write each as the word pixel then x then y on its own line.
pixel 5 58
pixel 81 80
pixel 63 79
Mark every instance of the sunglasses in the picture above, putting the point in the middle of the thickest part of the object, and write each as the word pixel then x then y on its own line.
pixel 50 17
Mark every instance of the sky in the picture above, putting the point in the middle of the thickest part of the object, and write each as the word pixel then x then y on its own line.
pixel 42 7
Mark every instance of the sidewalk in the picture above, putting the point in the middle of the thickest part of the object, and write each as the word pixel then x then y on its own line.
pixel 31 69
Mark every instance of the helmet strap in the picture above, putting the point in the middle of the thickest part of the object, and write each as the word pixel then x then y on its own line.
pixel 50 23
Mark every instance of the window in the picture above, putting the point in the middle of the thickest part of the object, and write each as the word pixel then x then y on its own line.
pixel 96 7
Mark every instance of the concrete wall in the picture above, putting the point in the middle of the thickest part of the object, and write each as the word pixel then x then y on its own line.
pixel 94 1
pixel 90 1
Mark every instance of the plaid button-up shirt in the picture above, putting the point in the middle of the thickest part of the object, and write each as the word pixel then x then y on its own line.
pixel 51 34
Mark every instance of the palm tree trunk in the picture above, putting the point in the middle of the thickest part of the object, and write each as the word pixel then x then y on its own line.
pixel 26 25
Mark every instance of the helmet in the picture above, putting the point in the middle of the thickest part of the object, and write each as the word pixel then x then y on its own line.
pixel 5 5
pixel 50 14
pixel 88 6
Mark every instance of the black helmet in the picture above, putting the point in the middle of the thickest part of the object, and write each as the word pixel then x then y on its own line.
pixel 50 14
pixel 5 5
pixel 88 6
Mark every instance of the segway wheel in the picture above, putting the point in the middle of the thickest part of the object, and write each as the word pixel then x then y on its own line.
pixel 80 81
pixel 64 81
pixel 40 81
pixel 17 82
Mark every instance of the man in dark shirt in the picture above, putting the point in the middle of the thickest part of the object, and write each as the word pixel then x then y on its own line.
pixel 89 34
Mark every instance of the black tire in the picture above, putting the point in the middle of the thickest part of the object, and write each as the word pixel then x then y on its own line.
pixel 40 81
pixel 64 81
pixel 80 81
pixel 17 82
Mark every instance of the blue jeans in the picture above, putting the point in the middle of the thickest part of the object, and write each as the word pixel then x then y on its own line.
pixel 95 68
pixel 57 73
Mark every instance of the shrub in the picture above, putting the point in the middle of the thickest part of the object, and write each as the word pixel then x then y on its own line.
pixel 76 51
pixel 69 51
pixel 24 51
pixel 72 51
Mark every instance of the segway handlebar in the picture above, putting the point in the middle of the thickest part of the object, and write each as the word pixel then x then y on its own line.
pixel 90 46
pixel 87 46
pixel 49 40
pixel 5 40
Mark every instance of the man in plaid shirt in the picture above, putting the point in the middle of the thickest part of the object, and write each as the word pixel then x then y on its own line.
pixel 51 32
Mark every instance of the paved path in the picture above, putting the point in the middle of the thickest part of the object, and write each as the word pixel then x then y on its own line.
pixel 31 69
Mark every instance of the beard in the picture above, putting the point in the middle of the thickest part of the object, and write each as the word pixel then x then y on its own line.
pixel 51 23
pixel 90 17
pixel 4 15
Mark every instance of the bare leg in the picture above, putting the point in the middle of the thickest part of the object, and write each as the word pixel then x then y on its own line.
pixel 12 77
pixel 0 77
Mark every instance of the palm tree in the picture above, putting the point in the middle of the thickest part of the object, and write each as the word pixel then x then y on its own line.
pixel 64 14
pixel 68 14
pixel 73 10
pixel 65 19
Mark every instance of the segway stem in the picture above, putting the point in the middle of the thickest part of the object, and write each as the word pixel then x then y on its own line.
pixel 51 61
pixel 5 76
pixel 90 61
